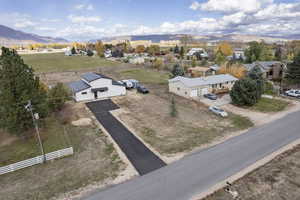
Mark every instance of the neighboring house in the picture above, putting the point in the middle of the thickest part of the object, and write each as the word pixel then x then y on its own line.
pixel 200 71
pixel 193 52
pixel 215 68
pixel 94 86
pixel 272 70
pixel 238 53
pixel 108 53
pixel 196 87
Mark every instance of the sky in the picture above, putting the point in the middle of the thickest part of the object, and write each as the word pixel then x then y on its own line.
pixel 81 20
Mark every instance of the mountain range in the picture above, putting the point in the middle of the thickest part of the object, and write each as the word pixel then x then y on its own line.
pixel 206 38
pixel 9 36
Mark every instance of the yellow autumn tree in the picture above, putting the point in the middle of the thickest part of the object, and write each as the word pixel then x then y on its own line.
pixel 225 48
pixel 236 70
pixel 100 48
pixel 140 49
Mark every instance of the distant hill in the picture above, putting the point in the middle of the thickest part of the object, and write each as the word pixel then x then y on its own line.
pixel 207 38
pixel 9 36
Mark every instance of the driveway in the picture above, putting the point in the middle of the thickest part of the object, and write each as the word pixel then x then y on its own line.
pixel 139 155
pixel 202 170
pixel 221 101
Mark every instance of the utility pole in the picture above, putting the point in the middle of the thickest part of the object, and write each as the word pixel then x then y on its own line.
pixel 35 117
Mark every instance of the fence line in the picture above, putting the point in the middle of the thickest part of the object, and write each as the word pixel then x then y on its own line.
pixel 36 160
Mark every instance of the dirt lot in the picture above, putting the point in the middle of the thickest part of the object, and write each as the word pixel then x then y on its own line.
pixel 95 162
pixel 149 116
pixel 277 180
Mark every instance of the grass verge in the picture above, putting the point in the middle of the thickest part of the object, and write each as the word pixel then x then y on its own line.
pixel 269 105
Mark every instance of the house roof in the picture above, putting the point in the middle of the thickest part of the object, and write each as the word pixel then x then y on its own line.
pixel 209 80
pixel 264 65
pixel 78 86
pixel 90 77
pixel 215 67
pixel 199 69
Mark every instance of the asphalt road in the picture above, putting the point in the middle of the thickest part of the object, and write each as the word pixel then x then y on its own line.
pixel 198 172
pixel 140 156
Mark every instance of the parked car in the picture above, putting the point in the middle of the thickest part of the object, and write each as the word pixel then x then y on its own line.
pixel 128 84
pixel 142 89
pixel 293 93
pixel 218 111
pixel 211 96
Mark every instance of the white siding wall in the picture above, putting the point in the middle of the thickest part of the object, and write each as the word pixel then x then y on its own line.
pixel 79 96
pixel 180 89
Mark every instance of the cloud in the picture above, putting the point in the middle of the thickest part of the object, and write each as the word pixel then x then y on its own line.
pixel 231 5
pixel 84 7
pixel 44 28
pixel 84 19
pixel 24 23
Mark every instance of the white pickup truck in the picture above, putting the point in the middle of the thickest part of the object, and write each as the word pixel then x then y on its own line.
pixel 293 93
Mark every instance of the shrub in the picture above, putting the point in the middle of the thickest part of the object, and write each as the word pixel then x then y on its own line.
pixel 244 92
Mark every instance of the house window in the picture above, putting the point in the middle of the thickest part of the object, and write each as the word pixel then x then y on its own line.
pixel 178 88
pixel 84 93
pixel 186 93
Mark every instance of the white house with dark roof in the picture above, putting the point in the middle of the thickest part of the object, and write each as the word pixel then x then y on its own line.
pixel 93 86
pixel 196 87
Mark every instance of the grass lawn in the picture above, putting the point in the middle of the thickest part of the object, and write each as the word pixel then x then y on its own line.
pixel 53 139
pixel 58 62
pixel 94 161
pixel 146 76
pixel 270 105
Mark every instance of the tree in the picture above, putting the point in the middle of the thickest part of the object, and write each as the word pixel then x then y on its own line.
pixel 173 109
pixel 73 51
pixel 90 53
pixel 256 74
pixel 100 48
pixel 154 50
pixel 140 49
pixel 182 51
pixel 225 48
pixel 176 49
pixel 293 70
pixel 158 63
pixel 177 71
pixel 220 58
pixel 194 62
pixel 58 95
pixel 235 70
pixel 244 93
pixel 18 85
pixel 258 52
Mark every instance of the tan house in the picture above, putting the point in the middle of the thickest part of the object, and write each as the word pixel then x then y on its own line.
pixel 200 71
pixel 196 87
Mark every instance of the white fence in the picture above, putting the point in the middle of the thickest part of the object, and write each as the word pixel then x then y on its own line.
pixel 36 160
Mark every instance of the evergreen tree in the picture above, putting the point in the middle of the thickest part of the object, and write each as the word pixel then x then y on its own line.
pixel 176 49
pixel 58 95
pixel 73 51
pixel 177 71
pixel 173 109
pixel 293 71
pixel 90 53
pixel 244 92
pixel 18 85
pixel 182 52
pixel 256 74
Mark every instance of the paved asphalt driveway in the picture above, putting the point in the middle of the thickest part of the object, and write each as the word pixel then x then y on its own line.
pixel 198 172
pixel 140 156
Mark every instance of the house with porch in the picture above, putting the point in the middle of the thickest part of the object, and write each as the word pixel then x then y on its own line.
pixel 93 86
pixel 272 70
pixel 197 87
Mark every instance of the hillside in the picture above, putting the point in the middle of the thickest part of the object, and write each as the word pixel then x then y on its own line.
pixel 9 36
pixel 207 38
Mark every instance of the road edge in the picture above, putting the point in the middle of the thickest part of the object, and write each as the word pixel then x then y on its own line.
pixel 246 170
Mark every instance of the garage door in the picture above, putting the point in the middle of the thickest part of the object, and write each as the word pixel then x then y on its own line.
pixel 194 93
pixel 204 91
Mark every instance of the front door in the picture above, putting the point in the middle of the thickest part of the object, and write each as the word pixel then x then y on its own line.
pixel 96 95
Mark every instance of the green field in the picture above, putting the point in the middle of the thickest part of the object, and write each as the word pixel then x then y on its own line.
pixel 58 62
pixel 146 76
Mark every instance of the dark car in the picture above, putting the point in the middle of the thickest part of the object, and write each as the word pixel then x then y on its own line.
pixel 142 89
pixel 211 96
